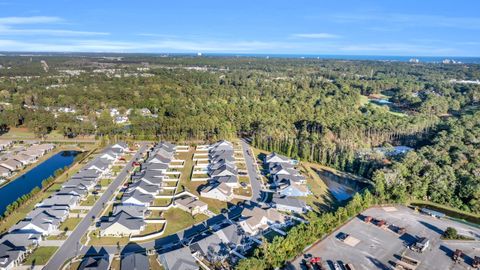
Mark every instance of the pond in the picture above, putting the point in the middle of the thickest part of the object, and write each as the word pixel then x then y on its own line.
pixel 33 178
pixel 342 188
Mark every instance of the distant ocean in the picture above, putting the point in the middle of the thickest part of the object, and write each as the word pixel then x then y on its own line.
pixel 425 59
pixel 392 58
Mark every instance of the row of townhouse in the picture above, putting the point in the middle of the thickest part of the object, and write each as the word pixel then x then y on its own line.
pixel 287 182
pixel 20 156
pixel 222 172
pixel 48 215
pixel 222 237
pixel 157 179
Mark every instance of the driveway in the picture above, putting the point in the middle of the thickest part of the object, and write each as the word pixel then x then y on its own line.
pixel 71 246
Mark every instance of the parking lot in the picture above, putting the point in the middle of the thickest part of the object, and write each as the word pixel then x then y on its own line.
pixel 373 247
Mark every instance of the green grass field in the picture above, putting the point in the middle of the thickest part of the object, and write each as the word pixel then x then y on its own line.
pixel 178 220
pixel 41 255
pixel 69 224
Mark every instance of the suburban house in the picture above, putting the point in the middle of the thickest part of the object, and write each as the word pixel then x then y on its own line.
pixel 144 187
pixel 211 248
pixel 224 170
pixel 5 172
pixel 232 235
pixel 292 189
pixel 191 205
pixel 69 201
pixel 42 223
pixel 179 259
pixel 24 159
pixel 122 224
pixel 137 198
pixel 5 144
pixel 256 220
pixel 121 147
pixel 229 180
pixel 276 158
pixel 95 263
pixel 11 255
pixel 134 261
pixel 132 210
pixel 59 213
pixel 289 204
pixel 11 164
pixel 218 191
pixel 278 179
pixel 33 153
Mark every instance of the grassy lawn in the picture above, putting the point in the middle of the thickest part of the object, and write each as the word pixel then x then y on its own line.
pixel 69 224
pixel 116 169
pixel 162 202
pixel 214 205
pixel 41 255
pixel 167 192
pixel 25 133
pixel 154 264
pixel 169 184
pixel 320 199
pixel 364 100
pixel 18 133
pixel 200 175
pixel 178 220
pixel 151 228
pixel 243 191
pixel 61 236
pixel 95 240
pixel 89 201
pixel 155 214
pixel 105 182
pixel 244 179
pixel 241 165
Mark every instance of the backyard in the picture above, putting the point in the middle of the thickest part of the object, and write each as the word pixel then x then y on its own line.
pixel 40 255
pixel 178 220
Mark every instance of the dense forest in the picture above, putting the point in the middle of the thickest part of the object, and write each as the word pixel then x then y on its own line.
pixel 329 111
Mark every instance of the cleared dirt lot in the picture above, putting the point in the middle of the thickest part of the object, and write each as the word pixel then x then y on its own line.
pixel 379 248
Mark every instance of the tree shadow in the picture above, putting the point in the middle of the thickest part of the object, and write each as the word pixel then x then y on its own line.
pixel 447 250
pixel 378 263
pixel 432 227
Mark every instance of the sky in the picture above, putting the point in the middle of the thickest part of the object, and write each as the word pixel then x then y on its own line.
pixel 349 27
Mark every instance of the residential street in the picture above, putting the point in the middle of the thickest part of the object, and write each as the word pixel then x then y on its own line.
pixel 252 173
pixel 71 246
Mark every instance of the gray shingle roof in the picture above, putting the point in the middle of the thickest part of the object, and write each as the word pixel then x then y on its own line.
pixel 179 259
pixel 135 261
pixel 126 220
pixel 97 263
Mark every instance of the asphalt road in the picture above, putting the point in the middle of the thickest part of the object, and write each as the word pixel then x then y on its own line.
pixel 72 245
pixel 252 173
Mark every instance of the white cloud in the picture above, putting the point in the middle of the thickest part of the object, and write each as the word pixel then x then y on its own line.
pixel 7 23
pixel 315 35
pixel 48 32
pixel 29 20
pixel 396 21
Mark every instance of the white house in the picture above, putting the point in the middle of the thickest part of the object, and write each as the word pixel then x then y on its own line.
pixel 257 219
pixel 218 191
pixel 122 224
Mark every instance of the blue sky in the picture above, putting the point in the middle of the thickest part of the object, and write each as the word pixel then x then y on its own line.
pixel 353 27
